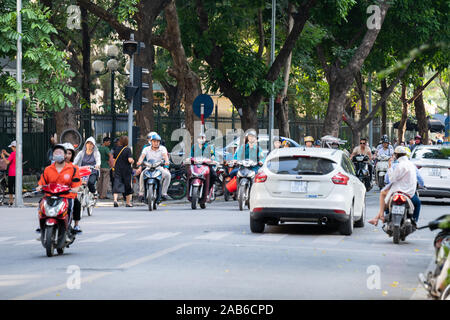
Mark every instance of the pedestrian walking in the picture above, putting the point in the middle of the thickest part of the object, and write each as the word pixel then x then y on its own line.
pixel 123 159
pixel 10 159
pixel 104 179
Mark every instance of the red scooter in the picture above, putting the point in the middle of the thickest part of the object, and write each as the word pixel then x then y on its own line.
pixel 54 219
pixel 198 182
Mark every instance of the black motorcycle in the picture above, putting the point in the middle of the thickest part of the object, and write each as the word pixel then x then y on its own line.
pixel 178 183
pixel 434 281
pixel 245 177
pixel 152 183
pixel 361 163
pixel 399 221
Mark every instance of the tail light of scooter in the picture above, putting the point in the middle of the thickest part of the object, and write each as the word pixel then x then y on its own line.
pixel 340 178
pixel 399 199
pixel 260 177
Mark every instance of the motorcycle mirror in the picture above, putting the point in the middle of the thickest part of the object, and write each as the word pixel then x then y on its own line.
pixel 76 180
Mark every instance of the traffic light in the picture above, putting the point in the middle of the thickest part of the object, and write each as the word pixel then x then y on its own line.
pixel 140 86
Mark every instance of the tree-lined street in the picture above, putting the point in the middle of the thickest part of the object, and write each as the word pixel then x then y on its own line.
pixel 177 253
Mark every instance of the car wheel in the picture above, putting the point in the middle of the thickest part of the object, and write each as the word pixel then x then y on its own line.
pixel 360 222
pixel 346 227
pixel 256 226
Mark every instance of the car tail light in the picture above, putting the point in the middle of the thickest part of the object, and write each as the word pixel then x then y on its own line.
pixel 418 167
pixel 257 209
pixel 339 211
pixel 260 177
pixel 340 179
pixel 399 199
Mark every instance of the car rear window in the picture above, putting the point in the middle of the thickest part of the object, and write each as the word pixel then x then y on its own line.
pixel 426 153
pixel 301 165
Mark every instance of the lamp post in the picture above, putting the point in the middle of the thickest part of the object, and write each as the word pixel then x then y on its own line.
pixel 112 65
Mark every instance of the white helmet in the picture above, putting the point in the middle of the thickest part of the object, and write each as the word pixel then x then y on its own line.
pixel 401 150
pixel 69 146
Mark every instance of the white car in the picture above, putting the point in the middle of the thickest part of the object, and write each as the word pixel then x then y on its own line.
pixel 433 162
pixel 307 185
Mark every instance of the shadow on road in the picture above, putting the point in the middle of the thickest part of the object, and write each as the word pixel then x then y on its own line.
pixel 302 229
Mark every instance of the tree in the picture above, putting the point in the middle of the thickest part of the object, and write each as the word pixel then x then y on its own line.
pixel 46 73
pixel 224 36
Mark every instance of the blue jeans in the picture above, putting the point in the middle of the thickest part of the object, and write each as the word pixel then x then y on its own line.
pixel 416 202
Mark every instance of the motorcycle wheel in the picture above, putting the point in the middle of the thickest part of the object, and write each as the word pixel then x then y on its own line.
pixel 226 195
pixel 368 185
pixel 155 203
pixel 150 199
pixel 60 251
pixel 241 197
pixel 381 182
pixel 396 234
pixel 203 205
pixel 177 189
pixel 194 198
pixel 446 293
pixel 49 240
pixel 2 193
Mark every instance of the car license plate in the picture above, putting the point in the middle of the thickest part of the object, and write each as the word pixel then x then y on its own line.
pixel 398 209
pixel 299 186
pixel 435 172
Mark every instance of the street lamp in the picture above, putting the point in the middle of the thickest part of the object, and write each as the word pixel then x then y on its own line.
pixel 112 65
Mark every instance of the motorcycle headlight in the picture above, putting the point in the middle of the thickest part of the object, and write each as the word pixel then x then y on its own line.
pixel 52 211
pixel 251 174
pixel 156 173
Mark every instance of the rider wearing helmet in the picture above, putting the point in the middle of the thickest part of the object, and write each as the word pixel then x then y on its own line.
pixel 318 144
pixel 403 177
pixel 385 148
pixel 249 151
pixel 417 142
pixel 156 152
pixel 202 149
pixel 90 156
pixel 309 141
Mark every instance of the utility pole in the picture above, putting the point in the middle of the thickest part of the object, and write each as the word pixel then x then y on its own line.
pixel 272 59
pixel 19 122
pixel 370 110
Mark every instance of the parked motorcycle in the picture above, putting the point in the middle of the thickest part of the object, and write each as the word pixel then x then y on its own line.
pixel 178 185
pixel 437 281
pixel 399 221
pixel 152 183
pixel 3 185
pixel 54 219
pixel 361 163
pixel 219 187
pixel 381 169
pixel 245 177
pixel 86 198
pixel 198 184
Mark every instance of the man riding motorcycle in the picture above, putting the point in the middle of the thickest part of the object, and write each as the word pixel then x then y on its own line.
pixel 385 148
pixel 250 150
pixel 364 149
pixel 403 178
pixel 203 149
pixel 64 173
pixel 70 156
pixel 309 141
pixel 155 152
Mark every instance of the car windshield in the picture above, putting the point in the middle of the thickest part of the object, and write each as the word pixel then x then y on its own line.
pixel 428 153
pixel 301 165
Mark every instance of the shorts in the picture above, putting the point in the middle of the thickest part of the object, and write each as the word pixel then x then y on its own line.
pixel 11 185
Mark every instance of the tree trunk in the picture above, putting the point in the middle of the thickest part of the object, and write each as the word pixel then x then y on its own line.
pixel 421 116
pixel 383 109
pixel 402 125
pixel 86 75
pixel 249 119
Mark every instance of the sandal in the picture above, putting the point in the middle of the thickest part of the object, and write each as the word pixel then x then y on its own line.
pixel 129 205
pixel 116 204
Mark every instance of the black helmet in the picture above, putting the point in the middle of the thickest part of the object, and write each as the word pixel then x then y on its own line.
pixel 385 139
pixel 59 146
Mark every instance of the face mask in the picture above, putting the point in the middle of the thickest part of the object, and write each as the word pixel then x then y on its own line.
pixel 59 158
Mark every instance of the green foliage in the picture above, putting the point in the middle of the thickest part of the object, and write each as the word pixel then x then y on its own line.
pixel 45 69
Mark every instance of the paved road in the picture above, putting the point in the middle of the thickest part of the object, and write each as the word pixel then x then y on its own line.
pixel 178 253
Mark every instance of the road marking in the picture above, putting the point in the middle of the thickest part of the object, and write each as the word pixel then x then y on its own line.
pixel 270 237
pixel 104 237
pixel 153 256
pixel 26 242
pixel 6 238
pixel 329 240
pixel 103 274
pixel 160 236
pixel 213 235
pixel 15 279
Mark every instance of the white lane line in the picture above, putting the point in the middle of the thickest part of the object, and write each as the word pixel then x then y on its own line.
pixel 9 283
pixel 103 274
pixel 153 256
pixel 160 236
pixel 270 237
pixel 104 237
pixel 6 238
pixel 328 240
pixel 213 235
pixel 15 279
pixel 27 242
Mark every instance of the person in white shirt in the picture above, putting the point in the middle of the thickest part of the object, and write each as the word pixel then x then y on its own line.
pixel 402 178
pixel 156 152
pixel 385 148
